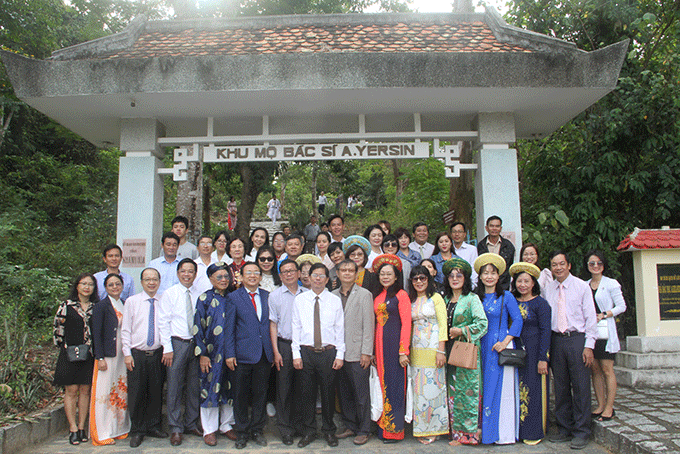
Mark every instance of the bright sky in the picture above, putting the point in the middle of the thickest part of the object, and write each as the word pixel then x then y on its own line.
pixel 444 6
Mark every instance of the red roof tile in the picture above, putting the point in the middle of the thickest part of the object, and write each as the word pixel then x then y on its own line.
pixel 651 239
pixel 359 38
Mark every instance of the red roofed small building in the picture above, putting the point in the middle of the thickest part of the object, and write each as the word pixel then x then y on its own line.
pixel 650 358
pixel 314 80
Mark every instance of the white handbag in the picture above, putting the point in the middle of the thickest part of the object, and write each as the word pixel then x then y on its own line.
pixel 603 329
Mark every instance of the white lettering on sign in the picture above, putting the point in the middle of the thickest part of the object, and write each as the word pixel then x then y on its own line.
pixel 314 152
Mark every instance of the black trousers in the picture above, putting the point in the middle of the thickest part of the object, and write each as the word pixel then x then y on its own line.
pixel 572 384
pixel 317 371
pixel 145 391
pixel 250 383
pixel 355 398
pixel 287 392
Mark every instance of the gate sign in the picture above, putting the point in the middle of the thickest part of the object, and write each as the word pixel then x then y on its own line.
pixel 315 152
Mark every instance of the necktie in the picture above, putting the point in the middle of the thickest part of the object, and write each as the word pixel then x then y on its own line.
pixel 562 322
pixel 252 298
pixel 422 252
pixel 190 313
pixel 151 335
pixel 317 324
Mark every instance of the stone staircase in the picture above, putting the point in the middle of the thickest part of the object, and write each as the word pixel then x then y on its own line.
pixel 649 361
pixel 267 224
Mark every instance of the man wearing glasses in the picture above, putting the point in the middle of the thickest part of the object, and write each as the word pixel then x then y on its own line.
pixel 318 346
pixel 280 315
pixel 462 249
pixel 355 398
pixel 249 354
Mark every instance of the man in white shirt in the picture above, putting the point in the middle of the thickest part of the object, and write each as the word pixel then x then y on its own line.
pixel 420 244
pixel 318 347
pixel 464 250
pixel 142 353
pixel 336 226
pixel 175 324
pixel 204 260
pixel 280 315
pixel 322 203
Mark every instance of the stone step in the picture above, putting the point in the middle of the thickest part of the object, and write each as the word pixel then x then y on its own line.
pixel 272 229
pixel 633 360
pixel 656 344
pixel 654 378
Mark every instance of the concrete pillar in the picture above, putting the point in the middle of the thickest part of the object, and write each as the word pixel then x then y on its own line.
pixel 140 194
pixel 496 178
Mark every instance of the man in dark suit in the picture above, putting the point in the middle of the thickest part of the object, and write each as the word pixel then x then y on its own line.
pixel 249 354
pixel 495 243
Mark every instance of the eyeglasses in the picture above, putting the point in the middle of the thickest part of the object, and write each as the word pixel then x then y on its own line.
pixel 114 284
pixel 221 242
pixel 221 277
pixel 287 271
pixel 390 244
pixel 419 278
pixel 251 273
pixel 318 276
pixel 266 259
pixel 205 243
pixel 595 263
pixel 456 276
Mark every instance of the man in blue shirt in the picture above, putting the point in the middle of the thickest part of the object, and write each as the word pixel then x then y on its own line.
pixel 167 263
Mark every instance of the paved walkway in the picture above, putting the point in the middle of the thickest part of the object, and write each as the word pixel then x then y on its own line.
pixel 647 421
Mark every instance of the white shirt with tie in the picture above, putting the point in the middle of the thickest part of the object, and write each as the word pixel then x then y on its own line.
pixel 332 318
pixel 425 250
pixel 173 315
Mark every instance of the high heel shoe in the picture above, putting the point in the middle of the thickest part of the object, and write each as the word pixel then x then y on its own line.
pixel 607 418
pixel 82 435
pixel 73 438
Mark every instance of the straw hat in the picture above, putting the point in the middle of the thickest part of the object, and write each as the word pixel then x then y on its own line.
pixel 520 267
pixel 311 258
pixel 489 257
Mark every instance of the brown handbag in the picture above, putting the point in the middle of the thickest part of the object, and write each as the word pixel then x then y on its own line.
pixel 464 354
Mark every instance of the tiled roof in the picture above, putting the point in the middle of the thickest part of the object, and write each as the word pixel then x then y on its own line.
pixel 651 239
pixel 475 36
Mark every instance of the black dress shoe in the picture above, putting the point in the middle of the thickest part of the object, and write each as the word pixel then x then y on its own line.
pixel 332 440
pixel 259 439
pixel 82 435
pixel 157 433
pixel 287 440
pixel 307 439
pixel 136 440
pixel 241 442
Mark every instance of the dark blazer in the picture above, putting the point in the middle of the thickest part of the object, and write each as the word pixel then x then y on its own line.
pixel 249 335
pixel 507 251
pixel 104 327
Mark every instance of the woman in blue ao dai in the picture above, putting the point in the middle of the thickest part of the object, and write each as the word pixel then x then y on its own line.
pixel 500 383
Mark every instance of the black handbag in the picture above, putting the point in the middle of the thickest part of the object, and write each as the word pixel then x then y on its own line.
pixel 515 357
pixel 76 353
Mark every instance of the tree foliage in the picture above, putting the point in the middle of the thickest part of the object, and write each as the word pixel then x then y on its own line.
pixel 617 165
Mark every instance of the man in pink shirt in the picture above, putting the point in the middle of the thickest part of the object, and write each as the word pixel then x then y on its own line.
pixel 574 331
pixel 143 353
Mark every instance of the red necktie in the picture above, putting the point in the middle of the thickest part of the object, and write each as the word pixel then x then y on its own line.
pixel 252 298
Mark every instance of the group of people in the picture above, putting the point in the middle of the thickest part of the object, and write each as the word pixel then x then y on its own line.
pixel 378 320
